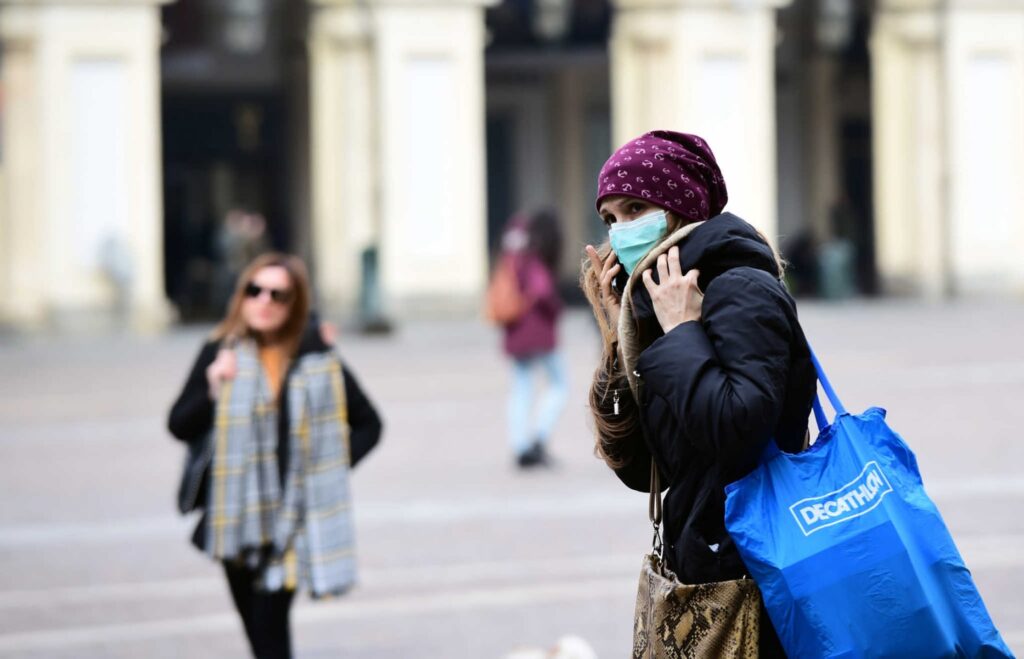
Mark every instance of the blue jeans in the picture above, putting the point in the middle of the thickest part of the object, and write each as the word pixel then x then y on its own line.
pixel 523 427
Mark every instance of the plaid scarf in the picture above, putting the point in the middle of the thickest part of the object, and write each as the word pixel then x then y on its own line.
pixel 301 536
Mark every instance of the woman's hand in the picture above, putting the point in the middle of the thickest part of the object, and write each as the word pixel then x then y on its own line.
pixel 223 368
pixel 677 299
pixel 607 272
pixel 328 333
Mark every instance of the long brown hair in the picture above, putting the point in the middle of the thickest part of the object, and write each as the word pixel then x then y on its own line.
pixel 234 327
pixel 613 432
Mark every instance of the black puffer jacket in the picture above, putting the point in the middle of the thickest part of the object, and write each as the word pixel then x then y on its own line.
pixel 715 391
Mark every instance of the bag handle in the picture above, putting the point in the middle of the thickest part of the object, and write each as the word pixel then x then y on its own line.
pixel 819 413
pixel 820 418
pixel 654 510
pixel 826 386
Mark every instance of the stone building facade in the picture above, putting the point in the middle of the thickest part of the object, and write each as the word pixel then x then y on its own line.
pixel 387 140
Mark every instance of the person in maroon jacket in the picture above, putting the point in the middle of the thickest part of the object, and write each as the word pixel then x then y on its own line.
pixel 534 243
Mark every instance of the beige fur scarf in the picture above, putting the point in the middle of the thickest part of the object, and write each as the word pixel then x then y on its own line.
pixel 629 341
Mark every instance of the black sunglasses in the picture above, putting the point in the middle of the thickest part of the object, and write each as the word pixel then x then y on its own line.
pixel 281 296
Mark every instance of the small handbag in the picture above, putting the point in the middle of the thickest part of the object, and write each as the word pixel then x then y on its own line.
pixel 192 489
pixel 676 621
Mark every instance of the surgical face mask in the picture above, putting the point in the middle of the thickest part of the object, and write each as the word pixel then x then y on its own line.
pixel 632 240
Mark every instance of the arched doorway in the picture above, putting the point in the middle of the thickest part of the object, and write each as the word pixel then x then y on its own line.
pixel 548 115
pixel 234 123
pixel 823 102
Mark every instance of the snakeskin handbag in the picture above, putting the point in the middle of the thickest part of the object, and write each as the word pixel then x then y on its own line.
pixel 678 621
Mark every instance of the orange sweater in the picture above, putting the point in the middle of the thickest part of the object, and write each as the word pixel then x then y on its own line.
pixel 275 362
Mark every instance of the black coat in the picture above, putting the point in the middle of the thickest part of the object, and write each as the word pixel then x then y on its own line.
pixel 191 416
pixel 715 391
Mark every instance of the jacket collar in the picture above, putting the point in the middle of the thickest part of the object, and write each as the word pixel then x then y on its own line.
pixel 713 247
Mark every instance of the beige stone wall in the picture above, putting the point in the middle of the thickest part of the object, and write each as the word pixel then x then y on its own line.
pixel 83 204
pixel 21 235
pixel 909 152
pixel 717 81
pixel 949 145
pixel 984 122
pixel 397 142
pixel 343 146
pixel 398 107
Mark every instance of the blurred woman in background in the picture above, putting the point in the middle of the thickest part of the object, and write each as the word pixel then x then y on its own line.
pixel 274 421
pixel 531 246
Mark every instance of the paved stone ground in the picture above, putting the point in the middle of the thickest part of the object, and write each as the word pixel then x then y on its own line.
pixel 461 555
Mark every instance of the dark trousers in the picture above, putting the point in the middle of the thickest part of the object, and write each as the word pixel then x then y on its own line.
pixel 264 614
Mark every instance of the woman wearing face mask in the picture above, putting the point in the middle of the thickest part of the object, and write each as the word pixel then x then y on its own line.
pixel 281 421
pixel 713 345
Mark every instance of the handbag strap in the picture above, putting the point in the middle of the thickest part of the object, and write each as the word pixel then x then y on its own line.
pixel 826 386
pixel 819 413
pixel 820 418
pixel 654 510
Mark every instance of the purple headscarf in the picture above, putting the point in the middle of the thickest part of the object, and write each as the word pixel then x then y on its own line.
pixel 675 171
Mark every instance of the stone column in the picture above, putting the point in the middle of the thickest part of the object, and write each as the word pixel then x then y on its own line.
pixel 822 145
pixel 432 145
pixel 343 147
pixel 984 99
pixel 82 214
pixel 573 182
pixel 398 149
pixel 705 67
pixel 910 149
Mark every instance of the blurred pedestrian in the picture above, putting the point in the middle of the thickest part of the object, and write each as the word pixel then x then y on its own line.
pixel 531 248
pixel 709 362
pixel 241 238
pixel 802 271
pixel 274 421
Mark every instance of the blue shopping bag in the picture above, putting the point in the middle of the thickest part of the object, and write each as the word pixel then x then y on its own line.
pixel 852 557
